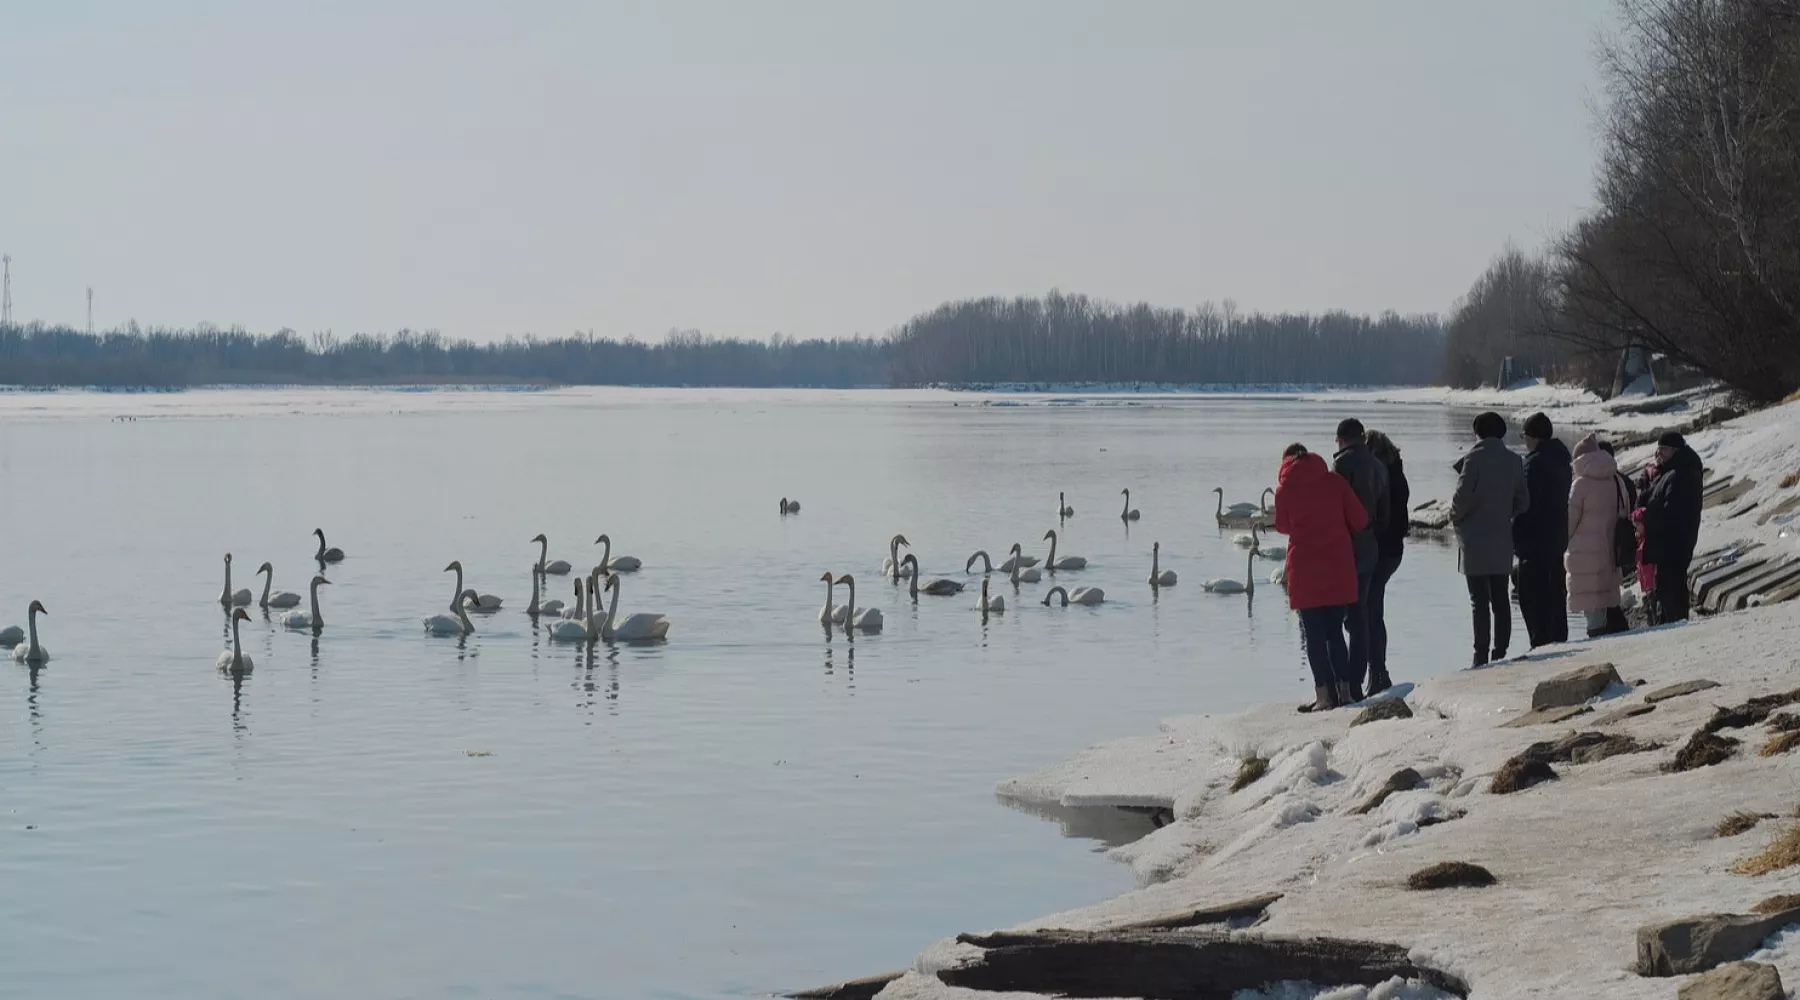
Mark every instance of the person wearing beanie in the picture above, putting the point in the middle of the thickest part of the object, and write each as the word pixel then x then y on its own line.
pixel 1490 492
pixel 1541 534
pixel 1369 479
pixel 1672 523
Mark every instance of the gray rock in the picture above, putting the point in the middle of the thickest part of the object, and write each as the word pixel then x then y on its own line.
pixel 1403 780
pixel 1696 944
pixel 1737 981
pixel 1677 690
pixel 1546 716
pixel 1450 875
pixel 1575 687
pixel 1389 708
pixel 1619 715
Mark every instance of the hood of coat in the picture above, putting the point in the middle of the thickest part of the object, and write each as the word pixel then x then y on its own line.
pixel 1303 470
pixel 1685 457
pixel 1591 462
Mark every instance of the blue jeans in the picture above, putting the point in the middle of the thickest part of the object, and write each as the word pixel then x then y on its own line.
pixel 1322 631
pixel 1377 606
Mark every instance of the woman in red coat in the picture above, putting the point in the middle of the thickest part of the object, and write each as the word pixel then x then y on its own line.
pixel 1319 512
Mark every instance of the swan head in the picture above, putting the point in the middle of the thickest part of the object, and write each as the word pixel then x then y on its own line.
pixel 268 568
pixel 846 578
pixel 1017 549
pixel 898 540
pixel 228 558
pixel 455 566
pixel 603 540
pixel 910 559
pixel 1055 592
pixel 541 538
pixel 320 532
pixel 612 583
pixel 318 580
pixel 1155 546
pixel 240 616
pixel 470 595
pixel 828 578
pixel 37 608
pixel 1050 536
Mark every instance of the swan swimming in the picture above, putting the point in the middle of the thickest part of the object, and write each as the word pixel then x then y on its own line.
pixel 1225 585
pixel 324 554
pixel 1053 564
pixel 1159 577
pixel 866 619
pixel 936 588
pixel 307 619
pixel 457 623
pixel 554 567
pixel 1278 575
pixel 235 658
pixel 11 636
pixel 790 506
pixel 470 599
pixel 285 599
pixel 546 608
pixel 1127 514
pixel 1272 552
pixel 1238 515
pixel 831 614
pixel 641 627
pixel 893 567
pixel 616 564
pixel 29 651
pixel 1080 595
pixel 228 597
pixel 1022 572
pixel 990 605
pixel 1062 507
pixel 578 627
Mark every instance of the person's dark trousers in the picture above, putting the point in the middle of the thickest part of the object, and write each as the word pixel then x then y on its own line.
pixel 1672 590
pixel 1491 614
pixel 1356 623
pixel 1544 601
pixel 1323 633
pixel 1376 606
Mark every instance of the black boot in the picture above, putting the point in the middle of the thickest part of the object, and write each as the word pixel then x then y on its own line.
pixel 1379 680
pixel 1324 700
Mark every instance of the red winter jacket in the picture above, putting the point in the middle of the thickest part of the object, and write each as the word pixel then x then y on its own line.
pixel 1319 512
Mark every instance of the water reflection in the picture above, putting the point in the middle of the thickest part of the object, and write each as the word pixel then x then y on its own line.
pixel 1111 827
pixel 31 705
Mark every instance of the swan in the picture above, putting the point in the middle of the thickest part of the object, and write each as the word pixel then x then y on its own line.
pixel 555 567
pixel 1278 575
pixel 1062 507
pixel 1236 509
pixel 1245 539
pixel 1080 595
pixel 936 588
pixel 1017 558
pixel 892 567
pixel 831 614
pixel 29 651
pixel 1272 552
pixel 11 636
pixel 1127 514
pixel 1268 494
pixel 457 623
pixel 990 605
pixel 307 619
pixel 547 607
pixel 470 599
pixel 987 565
pixel 1066 562
pixel 866 619
pixel 578 627
pixel 619 564
pixel 579 608
pixel 1022 572
pixel 285 599
pixel 228 597
pixel 1225 585
pixel 1159 577
pixel 790 506
pixel 324 554
pixel 641 627
pixel 235 658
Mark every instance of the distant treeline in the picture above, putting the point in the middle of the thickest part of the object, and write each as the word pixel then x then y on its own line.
pixel 1056 338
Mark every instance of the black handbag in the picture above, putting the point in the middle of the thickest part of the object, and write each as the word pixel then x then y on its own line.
pixel 1624 534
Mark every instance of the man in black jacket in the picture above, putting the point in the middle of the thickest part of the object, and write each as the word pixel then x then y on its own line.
pixel 1368 478
pixel 1541 535
pixel 1672 522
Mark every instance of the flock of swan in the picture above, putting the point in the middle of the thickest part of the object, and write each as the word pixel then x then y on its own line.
pixel 586 622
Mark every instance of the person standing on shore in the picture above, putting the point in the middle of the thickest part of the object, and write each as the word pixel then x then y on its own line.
pixel 1672 523
pixel 1597 501
pixel 1369 480
pixel 1490 492
pixel 1319 513
pixel 1391 543
pixel 1541 535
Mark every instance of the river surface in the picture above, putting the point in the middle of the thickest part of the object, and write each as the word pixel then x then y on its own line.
pixel 751 806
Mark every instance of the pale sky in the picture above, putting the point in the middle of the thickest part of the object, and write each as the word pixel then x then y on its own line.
pixel 815 167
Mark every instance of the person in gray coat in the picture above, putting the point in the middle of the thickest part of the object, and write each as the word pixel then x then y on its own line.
pixel 1490 492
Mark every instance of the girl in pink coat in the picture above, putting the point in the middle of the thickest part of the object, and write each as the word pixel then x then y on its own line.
pixel 1597 499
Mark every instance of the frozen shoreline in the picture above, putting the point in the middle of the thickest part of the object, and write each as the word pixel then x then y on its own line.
pixel 1582 862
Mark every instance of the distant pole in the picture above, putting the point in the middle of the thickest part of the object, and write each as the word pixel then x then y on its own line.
pixel 6 291
pixel 90 310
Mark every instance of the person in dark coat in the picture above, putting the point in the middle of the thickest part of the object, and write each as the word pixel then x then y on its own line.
pixel 1320 514
pixel 1490 492
pixel 1541 535
pixel 1391 544
pixel 1369 480
pixel 1672 522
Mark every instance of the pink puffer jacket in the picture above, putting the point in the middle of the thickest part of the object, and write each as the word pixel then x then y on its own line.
pixel 1596 502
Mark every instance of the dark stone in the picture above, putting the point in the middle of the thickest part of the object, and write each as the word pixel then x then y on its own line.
pixel 1243 910
pixel 1546 716
pixel 1737 981
pixel 1612 746
pixel 1677 690
pixel 1450 875
pixel 1249 773
pixel 1402 780
pixel 1703 749
pixel 1390 708
pixel 1520 773
pixel 1696 944
pixel 1575 687
pixel 1619 715
pixel 855 989
pixel 1783 722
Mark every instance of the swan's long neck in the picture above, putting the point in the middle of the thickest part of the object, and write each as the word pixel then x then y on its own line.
pixel 612 613
pixel 915 579
pixel 533 609
pixel 456 599
pixel 984 593
pixel 268 585
pixel 894 556
pixel 1221 511
pixel 1250 570
pixel 237 647
pixel 321 552
pixel 1017 558
pixel 31 625
pixel 462 618
pixel 606 553
pixel 1051 562
pixel 1127 509
pixel 830 588
pixel 317 619
pixel 850 611
pixel 1155 562
pixel 987 565
pixel 225 595
pixel 543 556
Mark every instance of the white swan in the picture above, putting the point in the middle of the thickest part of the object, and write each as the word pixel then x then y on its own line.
pixel 1062 507
pixel 1278 575
pixel 554 567
pixel 865 619
pixel 831 614
pixel 285 599
pixel 1225 585
pixel 11 636
pixel 641 627
pixel 1022 572
pixel 1159 577
pixel 458 622
pixel 470 599
pixel 790 506
pixel 616 564
pixel 1238 515
pixel 307 619
pixel 892 567
pixel 324 554
pixel 936 588
pixel 1127 514
pixel 987 565
pixel 990 605
pixel 1080 595
pixel 228 597
pixel 579 627
pixel 1272 552
pixel 547 607
pixel 579 608
pixel 1245 539
pixel 1017 558
pixel 1066 562
pixel 235 658
pixel 29 651
pixel 1236 509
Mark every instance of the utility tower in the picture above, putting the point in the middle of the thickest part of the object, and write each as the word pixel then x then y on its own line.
pixel 90 310
pixel 6 290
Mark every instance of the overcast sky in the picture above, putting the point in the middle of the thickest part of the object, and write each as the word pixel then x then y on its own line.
pixel 815 167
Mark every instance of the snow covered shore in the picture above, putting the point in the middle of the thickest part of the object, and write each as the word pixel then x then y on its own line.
pixel 1580 862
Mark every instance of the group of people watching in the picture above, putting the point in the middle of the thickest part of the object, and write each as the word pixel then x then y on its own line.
pixel 1574 524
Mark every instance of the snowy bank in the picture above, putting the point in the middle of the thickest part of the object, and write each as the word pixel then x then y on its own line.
pixel 1341 815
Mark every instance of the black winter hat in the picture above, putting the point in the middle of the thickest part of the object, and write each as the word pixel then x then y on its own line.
pixel 1672 440
pixel 1538 426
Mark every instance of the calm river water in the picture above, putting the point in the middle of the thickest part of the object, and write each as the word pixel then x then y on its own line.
pixel 749 807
